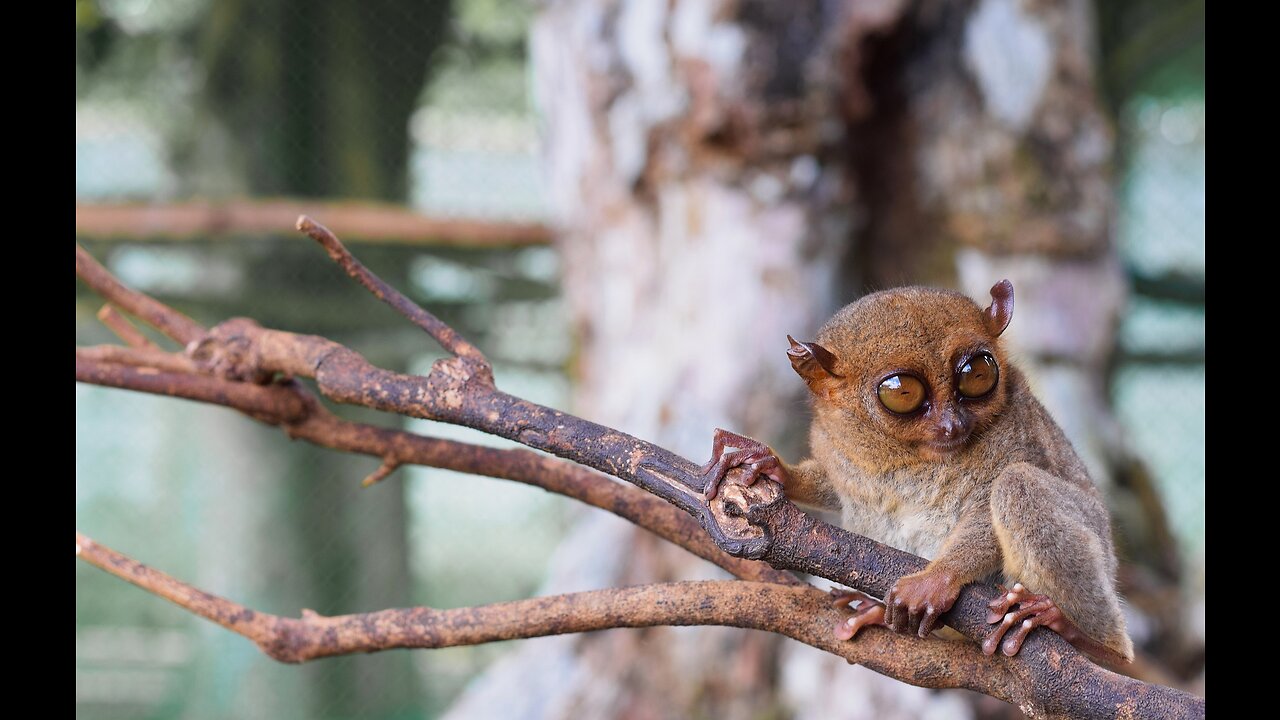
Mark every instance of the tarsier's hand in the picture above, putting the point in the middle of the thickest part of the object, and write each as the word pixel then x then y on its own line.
pixel 916 602
pixel 752 455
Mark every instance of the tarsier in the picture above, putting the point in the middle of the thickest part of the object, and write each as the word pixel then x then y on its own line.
pixel 927 439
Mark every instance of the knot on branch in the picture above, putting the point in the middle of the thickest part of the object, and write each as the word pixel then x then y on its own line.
pixel 450 377
pixel 289 640
pixel 229 351
pixel 740 517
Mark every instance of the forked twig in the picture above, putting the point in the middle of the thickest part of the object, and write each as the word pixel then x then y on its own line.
pixel 123 329
pixel 448 338
pixel 172 323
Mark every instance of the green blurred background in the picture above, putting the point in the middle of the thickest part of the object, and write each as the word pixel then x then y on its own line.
pixel 427 104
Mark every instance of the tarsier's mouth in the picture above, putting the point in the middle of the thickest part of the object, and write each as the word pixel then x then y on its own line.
pixel 950 445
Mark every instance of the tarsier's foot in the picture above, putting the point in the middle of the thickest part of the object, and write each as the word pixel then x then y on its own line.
pixel 756 457
pixel 870 611
pixel 1027 611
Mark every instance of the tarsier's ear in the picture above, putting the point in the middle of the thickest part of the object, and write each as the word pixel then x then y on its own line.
pixel 1000 311
pixel 815 364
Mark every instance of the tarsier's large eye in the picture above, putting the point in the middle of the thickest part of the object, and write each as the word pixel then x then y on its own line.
pixel 902 393
pixel 978 376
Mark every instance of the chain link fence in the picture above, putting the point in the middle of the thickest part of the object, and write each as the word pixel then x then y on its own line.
pixel 1159 384
pixel 188 105
pixel 193 112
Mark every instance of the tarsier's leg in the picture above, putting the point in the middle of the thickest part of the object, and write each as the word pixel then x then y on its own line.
pixel 1056 543
pixel 870 611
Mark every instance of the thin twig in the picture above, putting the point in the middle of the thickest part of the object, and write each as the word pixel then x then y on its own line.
pixel 448 338
pixel 138 357
pixel 265 402
pixel 172 323
pixel 383 471
pixel 123 329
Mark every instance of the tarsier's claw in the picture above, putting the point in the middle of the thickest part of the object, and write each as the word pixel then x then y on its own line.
pixel 929 622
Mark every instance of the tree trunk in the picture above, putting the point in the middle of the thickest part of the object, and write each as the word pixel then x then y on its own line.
pixel 726 173
pixel 310 99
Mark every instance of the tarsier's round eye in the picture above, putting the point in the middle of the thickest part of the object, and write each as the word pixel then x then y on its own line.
pixel 978 376
pixel 902 393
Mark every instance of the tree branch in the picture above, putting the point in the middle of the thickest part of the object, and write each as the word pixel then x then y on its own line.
pixel 801 612
pixel 757 522
pixel 448 338
pixel 368 221
pixel 301 416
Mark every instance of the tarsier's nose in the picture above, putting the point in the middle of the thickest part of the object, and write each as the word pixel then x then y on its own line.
pixel 949 426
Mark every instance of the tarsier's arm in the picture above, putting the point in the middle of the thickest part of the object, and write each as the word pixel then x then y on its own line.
pixel 971 552
pixel 809 486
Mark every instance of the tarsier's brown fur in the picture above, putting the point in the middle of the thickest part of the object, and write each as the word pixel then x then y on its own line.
pixel 987 488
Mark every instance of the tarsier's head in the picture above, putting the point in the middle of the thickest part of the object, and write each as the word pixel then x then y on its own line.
pixel 912 368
